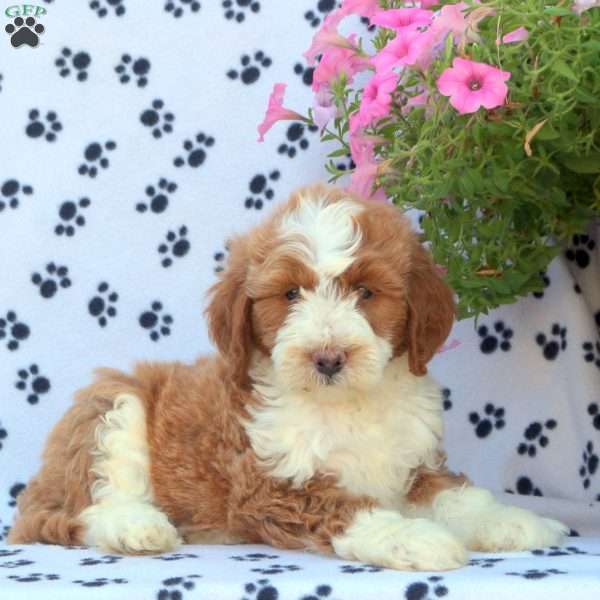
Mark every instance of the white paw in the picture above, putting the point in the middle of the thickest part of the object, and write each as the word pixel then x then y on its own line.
pixel 385 538
pixel 509 528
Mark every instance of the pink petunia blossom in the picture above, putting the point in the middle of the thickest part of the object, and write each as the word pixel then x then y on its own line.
pixel 518 35
pixel 421 99
pixel 376 100
pixel 580 6
pixel 409 47
pixel 337 61
pixel 472 84
pixel 451 19
pixel 326 37
pixel 276 111
pixel 428 3
pixel 400 18
pixel 364 8
pixel 363 178
pixel 324 108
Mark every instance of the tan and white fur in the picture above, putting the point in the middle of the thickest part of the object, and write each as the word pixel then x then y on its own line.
pixel 315 427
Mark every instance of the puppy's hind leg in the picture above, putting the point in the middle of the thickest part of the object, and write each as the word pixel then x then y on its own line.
pixel 122 517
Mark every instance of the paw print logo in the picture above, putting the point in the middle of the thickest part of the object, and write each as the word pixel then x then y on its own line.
pixel 10 191
pixel 296 139
pixel 158 120
pixel 591 352
pixel 176 246
pixel 305 73
pixel 314 17
pixel 98 582
pixel 71 217
pixel 353 569
pixel 579 252
pixel 534 433
pixel 446 398
pixel 276 569
pixel 545 280
pixel 137 69
pixel 3 436
pixel 537 573
pixel 102 305
pixel 426 590
pixel 55 277
pixel 39 126
pixel 177 7
pixel 499 338
pixel 250 67
pixel 14 491
pixel 158 197
pixel 525 487
pixel 174 586
pixel 261 190
pixel 24 32
pixel 94 158
pixel 553 344
pixel 107 559
pixel 32 577
pixel 220 259
pixel 101 7
pixel 196 151
pixel 494 419
pixel 33 383
pixel 13 330
pixel 594 412
pixel 261 590
pixel 156 323
pixel 590 465
pixel 77 63
pixel 237 9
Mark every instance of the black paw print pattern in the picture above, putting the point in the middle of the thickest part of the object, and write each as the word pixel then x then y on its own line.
pixel 196 151
pixel 494 419
pixel 537 573
pixel 3 436
pixel 261 590
pixel 492 340
pixel 52 280
pixel 33 383
pixel 47 126
pixel 158 197
pixel 173 587
pixel 354 569
pixel 485 563
pixel 250 67
pixel 589 466
pixel 24 32
pixel 137 69
pixel 305 73
pixel 594 412
pixel 320 592
pixel 545 282
pixel 15 564
pixel 1 78
pixel 534 434
pixel 176 246
pixel 98 582
pixel 33 577
pixel 101 7
pixel 78 63
pixel 525 487
pixel 235 10
pixel 95 158
pixel 296 139
pixel 314 17
pixel 102 305
pixel 107 559
pixel 579 251
pixel 276 569
pixel 220 259
pixel 553 344
pixel 591 352
pixel 446 398
pixel 158 120
pixel 426 590
pixel 71 217
pixel 261 190
pixel 10 191
pixel 4 553
pixel 178 7
pixel 155 322
pixel 13 331
pixel 560 550
pixel 14 491
pixel 175 556
pixel 253 557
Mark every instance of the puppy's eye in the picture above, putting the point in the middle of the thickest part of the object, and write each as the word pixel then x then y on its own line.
pixel 364 293
pixel 293 294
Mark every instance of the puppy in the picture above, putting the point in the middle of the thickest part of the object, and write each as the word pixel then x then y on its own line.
pixel 316 426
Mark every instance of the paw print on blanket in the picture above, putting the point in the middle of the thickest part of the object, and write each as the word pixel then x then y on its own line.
pixel 157 119
pixel 261 590
pixel 3 436
pixel 174 587
pixel 236 10
pixel 9 193
pixel 13 331
pixel 137 69
pixel 24 32
pixel 261 190
pixel 353 569
pixel 430 589
pixel 485 563
pixel 250 67
pixel 580 250
pixel 446 398
pixel 71 216
pixel 558 551
pixel 525 487
pixel 321 591
pixel 537 573
pixel 98 582
pixel 16 564
pixel 534 434
pixel 296 139
pixel 553 344
pixel 102 7
pixel 176 246
pixel 499 338
pixel 178 7
pixel 158 196
pixel 220 259
pixel 196 151
pixel 155 322
pixel 545 282
pixel 594 412
pixel 590 465
pixel 54 278
pixel 14 491
pixel 305 73
pixel 77 63
pixel 493 419
pixel 102 305
pixel 32 382
pixel 47 126
pixel 34 577
pixel 276 569
pixel 175 556
pixel 106 559
pixel 253 557
pixel 95 158
pixel 591 352
pixel 315 17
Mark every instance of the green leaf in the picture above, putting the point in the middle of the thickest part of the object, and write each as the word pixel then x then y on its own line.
pixel 558 11
pixel 583 164
pixel 560 66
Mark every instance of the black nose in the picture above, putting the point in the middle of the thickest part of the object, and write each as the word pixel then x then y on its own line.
pixel 329 362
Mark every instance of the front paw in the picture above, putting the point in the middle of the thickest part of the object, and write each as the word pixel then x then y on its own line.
pixel 385 538
pixel 509 528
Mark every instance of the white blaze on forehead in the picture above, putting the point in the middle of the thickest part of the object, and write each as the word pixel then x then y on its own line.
pixel 326 234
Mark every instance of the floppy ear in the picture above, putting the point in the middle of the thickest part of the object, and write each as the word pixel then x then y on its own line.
pixel 431 311
pixel 229 313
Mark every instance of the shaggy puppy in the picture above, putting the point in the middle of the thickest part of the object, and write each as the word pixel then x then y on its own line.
pixel 315 427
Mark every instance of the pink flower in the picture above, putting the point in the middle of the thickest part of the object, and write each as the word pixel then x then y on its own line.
pixel 471 85
pixel 276 111
pixel 364 175
pixel 336 61
pixel 421 99
pixel 429 3
pixel 324 108
pixel 580 6
pixel 451 19
pixel 364 8
pixel 326 37
pixel 399 18
pixel 376 100
pixel 518 35
pixel 409 47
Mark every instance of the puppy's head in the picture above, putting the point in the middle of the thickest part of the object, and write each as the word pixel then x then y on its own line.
pixel 330 288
